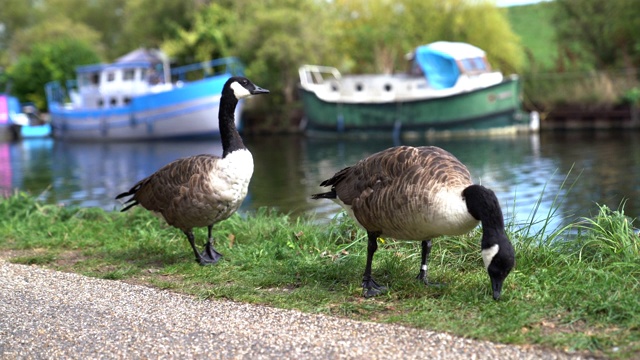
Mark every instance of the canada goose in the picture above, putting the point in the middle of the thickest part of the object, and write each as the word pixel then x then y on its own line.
pixel 202 190
pixel 419 193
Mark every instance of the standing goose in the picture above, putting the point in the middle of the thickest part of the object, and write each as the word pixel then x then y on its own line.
pixel 419 193
pixel 202 190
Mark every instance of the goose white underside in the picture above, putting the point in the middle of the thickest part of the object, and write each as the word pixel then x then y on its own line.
pixel 348 210
pixel 231 178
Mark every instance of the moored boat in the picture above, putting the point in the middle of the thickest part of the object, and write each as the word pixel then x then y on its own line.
pixel 139 97
pixel 20 121
pixel 449 89
pixel 10 113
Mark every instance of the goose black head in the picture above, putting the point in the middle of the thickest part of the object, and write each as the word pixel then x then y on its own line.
pixel 241 87
pixel 497 252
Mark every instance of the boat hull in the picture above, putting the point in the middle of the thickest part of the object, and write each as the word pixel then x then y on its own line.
pixel 494 109
pixel 184 112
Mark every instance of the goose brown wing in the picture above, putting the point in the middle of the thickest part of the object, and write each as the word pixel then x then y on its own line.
pixel 158 191
pixel 398 181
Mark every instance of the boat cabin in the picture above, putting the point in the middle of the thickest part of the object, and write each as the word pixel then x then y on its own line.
pixel 114 85
pixel 444 63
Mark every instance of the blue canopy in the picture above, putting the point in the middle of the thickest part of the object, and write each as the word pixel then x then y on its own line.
pixel 438 61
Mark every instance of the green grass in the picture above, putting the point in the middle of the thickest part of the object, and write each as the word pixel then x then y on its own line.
pixel 577 291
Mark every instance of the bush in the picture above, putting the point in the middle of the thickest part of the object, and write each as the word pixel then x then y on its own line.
pixel 51 61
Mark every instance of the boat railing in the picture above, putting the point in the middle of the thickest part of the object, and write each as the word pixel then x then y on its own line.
pixel 311 75
pixel 228 65
pixel 55 93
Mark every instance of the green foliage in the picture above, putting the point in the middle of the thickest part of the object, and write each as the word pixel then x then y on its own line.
pixel 49 61
pixel 15 14
pixel 50 32
pixel 586 31
pixel 534 25
pixel 147 23
pixel 206 39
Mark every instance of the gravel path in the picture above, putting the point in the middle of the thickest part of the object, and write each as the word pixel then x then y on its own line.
pixel 46 314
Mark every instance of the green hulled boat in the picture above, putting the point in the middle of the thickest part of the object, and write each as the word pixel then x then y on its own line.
pixel 449 90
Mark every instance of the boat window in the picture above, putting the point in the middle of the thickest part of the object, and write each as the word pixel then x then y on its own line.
pixel 83 80
pixel 388 87
pixel 126 100
pixel 359 87
pixel 113 102
pixel 89 79
pixel 473 65
pixel 111 76
pixel 480 64
pixel 100 103
pixel 334 86
pixel 129 74
pixel 467 64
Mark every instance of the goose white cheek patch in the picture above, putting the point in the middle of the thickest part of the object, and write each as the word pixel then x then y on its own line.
pixel 488 254
pixel 239 91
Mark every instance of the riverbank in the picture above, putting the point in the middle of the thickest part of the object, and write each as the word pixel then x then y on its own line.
pixel 575 294
pixel 578 118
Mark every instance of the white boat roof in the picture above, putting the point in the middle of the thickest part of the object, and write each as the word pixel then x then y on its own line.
pixel 456 50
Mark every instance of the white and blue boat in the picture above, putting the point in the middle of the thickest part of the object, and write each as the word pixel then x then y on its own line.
pixel 139 97
pixel 20 121
pixel 10 112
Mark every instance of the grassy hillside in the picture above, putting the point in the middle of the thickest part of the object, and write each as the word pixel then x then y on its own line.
pixel 533 24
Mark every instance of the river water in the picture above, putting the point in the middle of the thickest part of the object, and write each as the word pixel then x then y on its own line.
pixel 567 173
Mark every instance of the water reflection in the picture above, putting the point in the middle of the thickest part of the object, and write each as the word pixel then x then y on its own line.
pixel 576 169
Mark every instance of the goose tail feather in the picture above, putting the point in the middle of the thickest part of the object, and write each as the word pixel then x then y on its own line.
pixel 131 202
pixel 328 195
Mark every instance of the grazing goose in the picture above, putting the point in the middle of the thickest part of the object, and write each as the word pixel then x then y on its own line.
pixel 419 193
pixel 202 190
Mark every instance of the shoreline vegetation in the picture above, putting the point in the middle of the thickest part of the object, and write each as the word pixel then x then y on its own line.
pixel 576 293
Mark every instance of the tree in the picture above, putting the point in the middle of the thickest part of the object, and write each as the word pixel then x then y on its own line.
pixel 147 23
pixel 601 32
pixel 59 27
pixel 272 38
pixel 285 34
pixel 205 39
pixel 15 14
pixel 105 17
pixel 49 61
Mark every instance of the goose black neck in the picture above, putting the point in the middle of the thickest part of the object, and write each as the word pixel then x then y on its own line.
pixel 483 205
pixel 231 140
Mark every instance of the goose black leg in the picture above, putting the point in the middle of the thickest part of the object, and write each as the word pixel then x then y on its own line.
pixel 426 250
pixel 369 286
pixel 209 255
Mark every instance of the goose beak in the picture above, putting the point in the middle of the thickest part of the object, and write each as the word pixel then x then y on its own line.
pixel 258 90
pixel 496 285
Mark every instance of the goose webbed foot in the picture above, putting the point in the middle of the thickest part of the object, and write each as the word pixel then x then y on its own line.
pixel 209 255
pixel 422 276
pixel 370 288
